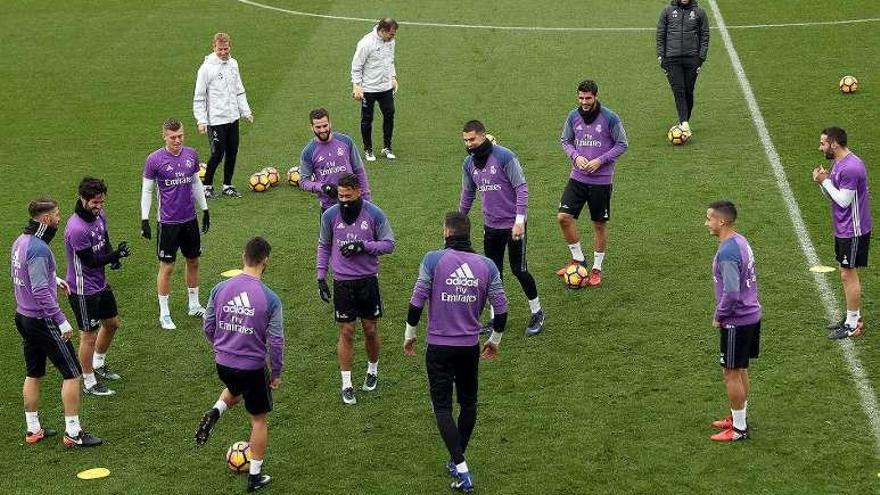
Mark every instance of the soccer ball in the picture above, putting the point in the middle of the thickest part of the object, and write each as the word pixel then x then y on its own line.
pixel 238 457
pixel 259 182
pixel 677 136
pixel 272 172
pixel 849 84
pixel 203 169
pixel 293 176
pixel 576 276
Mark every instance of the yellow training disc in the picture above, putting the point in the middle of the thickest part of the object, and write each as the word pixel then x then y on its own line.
pixel 94 473
pixel 231 273
pixel 822 269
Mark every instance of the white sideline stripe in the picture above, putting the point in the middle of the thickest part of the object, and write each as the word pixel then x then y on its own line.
pixel 542 28
pixel 867 397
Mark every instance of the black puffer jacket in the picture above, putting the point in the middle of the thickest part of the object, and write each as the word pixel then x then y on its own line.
pixel 683 31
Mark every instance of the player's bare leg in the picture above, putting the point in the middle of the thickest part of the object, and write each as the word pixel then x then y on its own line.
pixel 600 241
pixel 736 382
pixel 568 224
pixel 91 385
pixel 852 324
pixel 163 287
pixel 371 343
pixel 209 419
pixel 344 352
pixel 102 345
pixel 192 288
pixel 258 441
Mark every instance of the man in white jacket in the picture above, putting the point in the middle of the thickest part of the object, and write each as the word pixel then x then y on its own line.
pixel 374 78
pixel 218 104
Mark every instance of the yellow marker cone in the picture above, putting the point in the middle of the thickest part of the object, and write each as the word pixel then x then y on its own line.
pixel 822 269
pixel 94 473
pixel 231 273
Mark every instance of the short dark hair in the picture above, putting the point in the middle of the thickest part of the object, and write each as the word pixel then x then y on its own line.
pixel 588 86
pixel 41 206
pixel 256 250
pixel 386 24
pixel 458 223
pixel 318 114
pixel 171 124
pixel 725 209
pixel 350 181
pixel 474 126
pixel 835 135
pixel 91 187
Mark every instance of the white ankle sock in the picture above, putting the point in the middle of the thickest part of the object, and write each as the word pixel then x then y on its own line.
pixel 373 368
pixel 852 318
pixel 193 293
pixel 33 421
pixel 221 406
pixel 256 466
pixel 462 467
pixel 491 312
pixel 739 419
pixel 163 306
pixel 98 359
pixel 597 260
pixel 576 252
pixel 89 380
pixel 71 425
pixel 346 379
pixel 535 305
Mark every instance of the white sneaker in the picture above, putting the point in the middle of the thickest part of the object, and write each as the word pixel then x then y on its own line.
pixel 388 153
pixel 369 156
pixel 167 323
pixel 198 311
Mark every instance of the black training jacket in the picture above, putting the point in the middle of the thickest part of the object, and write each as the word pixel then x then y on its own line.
pixel 683 31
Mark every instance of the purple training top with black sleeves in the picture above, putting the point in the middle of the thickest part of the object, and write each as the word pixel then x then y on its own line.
pixel 603 139
pixel 244 323
pixel 853 220
pixel 736 283
pixel 80 234
pixel 371 226
pixel 174 176
pixel 326 162
pixel 504 193
pixel 456 285
pixel 33 279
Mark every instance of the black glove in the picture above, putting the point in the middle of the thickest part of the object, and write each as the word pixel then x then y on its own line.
pixel 330 190
pixel 324 290
pixel 352 248
pixel 206 222
pixel 122 250
pixel 116 265
pixel 146 233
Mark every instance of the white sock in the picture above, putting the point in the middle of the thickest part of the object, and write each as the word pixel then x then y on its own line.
pixel 71 426
pixel 746 405
pixel 597 260
pixel 852 318
pixel 739 419
pixel 491 312
pixel 256 466
pixel 576 253
pixel 163 306
pixel 98 359
pixel 225 187
pixel 89 380
pixel 685 126
pixel 462 467
pixel 33 421
pixel 221 406
pixel 535 305
pixel 346 379
pixel 373 368
pixel 193 293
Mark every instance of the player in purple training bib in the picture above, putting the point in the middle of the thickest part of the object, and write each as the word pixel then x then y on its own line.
pixel 354 233
pixel 593 138
pixel 846 185
pixel 174 172
pixel 88 250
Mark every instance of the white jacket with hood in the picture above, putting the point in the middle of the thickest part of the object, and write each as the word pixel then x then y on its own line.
pixel 219 96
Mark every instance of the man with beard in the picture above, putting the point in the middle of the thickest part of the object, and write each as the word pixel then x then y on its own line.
pixel 354 233
pixel 329 156
pixel 496 172
pixel 593 138
pixel 846 185
pixel 88 249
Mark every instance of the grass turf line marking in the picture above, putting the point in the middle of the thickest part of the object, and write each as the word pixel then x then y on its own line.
pixel 542 28
pixel 867 396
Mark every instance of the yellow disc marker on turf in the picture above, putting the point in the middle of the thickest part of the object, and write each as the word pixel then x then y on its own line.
pixel 231 273
pixel 94 473
pixel 822 269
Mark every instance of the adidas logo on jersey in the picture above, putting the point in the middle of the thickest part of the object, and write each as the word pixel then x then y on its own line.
pixel 239 305
pixel 463 277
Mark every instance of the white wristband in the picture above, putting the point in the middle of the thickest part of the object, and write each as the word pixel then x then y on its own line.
pixel 495 338
pixel 59 280
pixel 520 219
pixel 65 327
pixel 410 333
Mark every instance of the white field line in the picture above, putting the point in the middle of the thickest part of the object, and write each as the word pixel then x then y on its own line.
pixel 540 28
pixel 867 397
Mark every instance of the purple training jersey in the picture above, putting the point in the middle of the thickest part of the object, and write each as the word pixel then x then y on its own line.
pixel 174 176
pixel 243 322
pixel 736 283
pixel 603 139
pixel 371 227
pixel 78 235
pixel 853 220
pixel 504 193
pixel 33 279
pixel 456 285
pixel 325 163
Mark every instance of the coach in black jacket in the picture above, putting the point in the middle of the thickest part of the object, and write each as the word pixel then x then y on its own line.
pixel 682 46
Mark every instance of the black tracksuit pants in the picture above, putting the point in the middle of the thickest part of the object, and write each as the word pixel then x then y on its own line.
pixel 386 105
pixel 459 366
pixel 682 75
pixel 224 142
pixel 495 241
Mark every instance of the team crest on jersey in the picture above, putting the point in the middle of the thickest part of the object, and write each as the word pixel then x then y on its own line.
pixel 598 128
pixel 579 128
pixel 339 152
pixel 189 163
pixel 492 169
pixel 675 14
pixel 365 225
pixel 340 225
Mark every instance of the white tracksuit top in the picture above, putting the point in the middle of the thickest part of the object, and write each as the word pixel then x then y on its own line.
pixel 373 63
pixel 219 96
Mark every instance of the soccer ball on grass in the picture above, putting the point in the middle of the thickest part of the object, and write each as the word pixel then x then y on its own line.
pixel 293 176
pixel 274 177
pixel 259 182
pixel 848 84
pixel 677 136
pixel 238 457
pixel 575 276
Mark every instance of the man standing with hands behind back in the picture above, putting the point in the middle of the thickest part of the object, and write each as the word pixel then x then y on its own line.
pixel 374 78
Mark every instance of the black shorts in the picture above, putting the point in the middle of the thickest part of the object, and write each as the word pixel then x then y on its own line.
pixel 739 344
pixel 41 339
pixel 448 365
pixel 91 309
pixel 359 298
pixel 852 252
pixel 178 235
pixel 252 385
pixel 596 196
